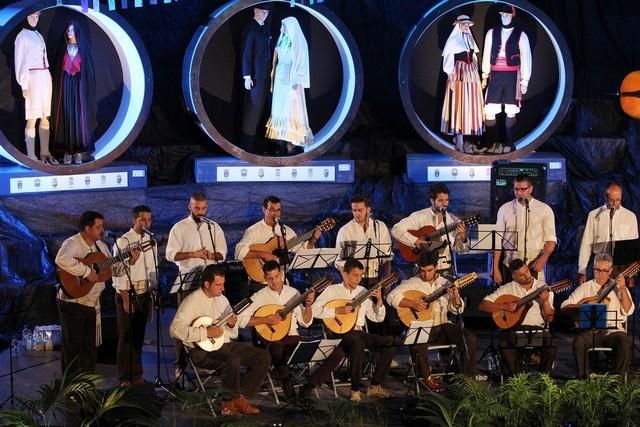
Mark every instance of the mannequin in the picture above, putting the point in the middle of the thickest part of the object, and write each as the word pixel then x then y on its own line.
pixel 289 77
pixel 463 103
pixel 506 70
pixel 73 96
pixel 32 74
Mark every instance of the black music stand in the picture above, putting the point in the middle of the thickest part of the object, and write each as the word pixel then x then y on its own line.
pixel 185 281
pixel 365 251
pixel 311 353
pixel 418 333
pixel 314 259
pixel 595 317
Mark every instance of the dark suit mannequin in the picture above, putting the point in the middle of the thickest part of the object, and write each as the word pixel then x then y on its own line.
pixel 256 66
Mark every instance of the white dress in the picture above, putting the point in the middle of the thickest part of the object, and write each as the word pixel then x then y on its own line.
pixel 32 73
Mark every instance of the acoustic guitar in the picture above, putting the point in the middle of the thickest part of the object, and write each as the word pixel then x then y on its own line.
pixel 602 296
pixel 213 344
pixel 343 323
pixel 508 320
pixel 408 315
pixel 277 332
pixel 77 287
pixel 432 236
pixel 275 245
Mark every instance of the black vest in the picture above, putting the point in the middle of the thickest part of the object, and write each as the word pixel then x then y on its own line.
pixel 511 49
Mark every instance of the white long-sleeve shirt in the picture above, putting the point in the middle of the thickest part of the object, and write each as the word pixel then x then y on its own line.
pixel 267 296
pixel 525 54
pixel 367 309
pixel 352 234
pixel 534 316
pixel 195 305
pixel 30 54
pixel 189 236
pixel 260 233
pixel 144 270
pixel 596 232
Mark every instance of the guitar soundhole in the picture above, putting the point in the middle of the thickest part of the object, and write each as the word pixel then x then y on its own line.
pixel 96 268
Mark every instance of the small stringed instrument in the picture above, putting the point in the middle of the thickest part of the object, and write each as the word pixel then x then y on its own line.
pixel 77 287
pixel 213 344
pixel 343 323
pixel 408 315
pixel 508 320
pixel 274 245
pixel 277 332
pixel 602 296
pixel 432 236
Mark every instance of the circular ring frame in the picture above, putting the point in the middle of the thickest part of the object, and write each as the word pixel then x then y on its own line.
pixel 329 134
pixel 137 80
pixel 533 139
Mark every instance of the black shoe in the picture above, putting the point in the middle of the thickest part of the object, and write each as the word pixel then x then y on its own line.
pixel 289 392
pixel 304 395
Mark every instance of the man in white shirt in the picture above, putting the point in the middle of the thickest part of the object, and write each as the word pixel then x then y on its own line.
pixel 80 317
pixel 434 216
pixel 362 229
pixel 539 314
pixel 429 281
pixel 279 294
pixel 208 301
pixel 196 241
pixel 133 298
pixel 355 341
pixel 268 227
pixel 528 229
pixel 609 222
pixel 619 307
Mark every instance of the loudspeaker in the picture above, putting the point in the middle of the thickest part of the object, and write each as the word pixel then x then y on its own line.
pixel 503 175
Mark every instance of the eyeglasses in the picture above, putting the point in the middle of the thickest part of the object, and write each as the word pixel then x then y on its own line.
pixel 601 270
pixel 521 189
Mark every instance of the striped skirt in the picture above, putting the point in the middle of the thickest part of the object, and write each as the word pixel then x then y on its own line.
pixel 463 102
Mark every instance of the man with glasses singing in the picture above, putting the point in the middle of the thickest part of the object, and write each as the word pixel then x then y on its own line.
pixel 610 222
pixel 529 232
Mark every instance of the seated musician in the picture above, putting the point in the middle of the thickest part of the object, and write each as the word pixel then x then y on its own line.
pixel 209 301
pixel 443 332
pixel 355 341
pixel 279 294
pixel 619 307
pixel 536 318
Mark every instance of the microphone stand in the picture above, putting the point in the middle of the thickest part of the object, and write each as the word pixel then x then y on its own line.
pixel 283 255
pixel 452 264
pixel 213 241
pixel 612 211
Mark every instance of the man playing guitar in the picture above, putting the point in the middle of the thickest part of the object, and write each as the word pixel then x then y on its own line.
pixel 620 306
pixel 356 340
pixel 539 314
pixel 443 332
pixel 276 293
pixel 209 301
pixel 435 216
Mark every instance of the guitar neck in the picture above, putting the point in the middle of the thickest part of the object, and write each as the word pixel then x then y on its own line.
pixel 444 230
pixel 435 294
pixel 116 259
pixel 602 294
pixel 299 239
pixel 533 295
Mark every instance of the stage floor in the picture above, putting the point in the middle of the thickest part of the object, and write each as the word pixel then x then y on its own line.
pixel 35 368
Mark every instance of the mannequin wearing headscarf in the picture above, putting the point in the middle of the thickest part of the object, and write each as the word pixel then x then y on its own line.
pixel 73 96
pixel 32 74
pixel 462 107
pixel 289 77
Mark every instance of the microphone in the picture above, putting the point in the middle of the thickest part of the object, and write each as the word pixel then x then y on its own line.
pixel 450 277
pixel 443 209
pixel 612 211
pixel 146 230
pixel 108 234
pixel 526 203
pixel 206 220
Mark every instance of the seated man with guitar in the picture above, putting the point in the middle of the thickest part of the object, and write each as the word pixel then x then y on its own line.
pixel 270 240
pixel 275 312
pixel 84 264
pixel 343 308
pixel 615 294
pixel 526 304
pixel 211 346
pixel 423 230
pixel 428 296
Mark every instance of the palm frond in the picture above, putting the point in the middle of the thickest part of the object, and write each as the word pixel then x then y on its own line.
pixel 14 418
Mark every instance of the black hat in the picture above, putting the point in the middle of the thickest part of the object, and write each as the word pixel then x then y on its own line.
pixel 506 8
pixel 263 6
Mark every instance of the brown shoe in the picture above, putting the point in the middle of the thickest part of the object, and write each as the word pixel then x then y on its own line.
pixel 434 384
pixel 245 407
pixel 229 408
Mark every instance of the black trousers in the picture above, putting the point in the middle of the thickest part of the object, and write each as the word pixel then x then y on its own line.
pixel 131 329
pixel 447 334
pixel 353 344
pixel 280 353
pixel 253 111
pixel 619 341
pixel 511 343
pixel 228 360
pixel 78 323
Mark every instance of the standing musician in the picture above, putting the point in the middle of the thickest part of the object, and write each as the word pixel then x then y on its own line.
pixel 619 307
pixel 80 317
pixel 276 293
pixel 209 301
pixel 434 216
pixel 196 241
pixel 428 281
pixel 364 228
pixel 270 226
pixel 537 316
pixel 528 225
pixel 609 222
pixel 355 341
pixel 133 300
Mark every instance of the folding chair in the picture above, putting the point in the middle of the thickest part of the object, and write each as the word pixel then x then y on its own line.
pixel 199 374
